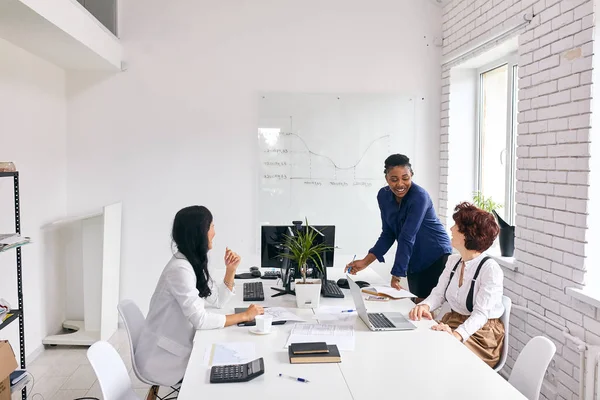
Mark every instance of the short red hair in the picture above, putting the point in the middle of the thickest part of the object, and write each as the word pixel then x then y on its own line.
pixel 478 226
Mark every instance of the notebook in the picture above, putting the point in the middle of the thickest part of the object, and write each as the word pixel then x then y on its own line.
pixel 332 356
pixel 309 348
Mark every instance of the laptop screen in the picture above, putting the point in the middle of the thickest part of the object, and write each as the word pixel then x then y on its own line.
pixel 359 302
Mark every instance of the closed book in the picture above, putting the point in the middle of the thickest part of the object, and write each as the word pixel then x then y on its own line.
pixel 309 348
pixel 332 356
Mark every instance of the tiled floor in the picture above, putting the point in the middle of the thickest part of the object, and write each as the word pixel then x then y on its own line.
pixel 64 373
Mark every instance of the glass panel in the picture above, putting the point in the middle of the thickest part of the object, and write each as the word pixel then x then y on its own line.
pixel 494 114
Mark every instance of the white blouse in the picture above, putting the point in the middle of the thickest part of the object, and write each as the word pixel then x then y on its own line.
pixel 176 312
pixel 487 295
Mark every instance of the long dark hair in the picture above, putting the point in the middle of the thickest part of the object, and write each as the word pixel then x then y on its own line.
pixel 190 234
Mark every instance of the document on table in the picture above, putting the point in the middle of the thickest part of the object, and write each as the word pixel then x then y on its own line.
pixel 388 291
pixel 340 335
pixel 229 353
pixel 282 314
pixel 336 314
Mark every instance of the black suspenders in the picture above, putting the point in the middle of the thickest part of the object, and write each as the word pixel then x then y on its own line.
pixel 470 295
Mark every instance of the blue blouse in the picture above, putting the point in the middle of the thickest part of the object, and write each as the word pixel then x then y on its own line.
pixel 421 236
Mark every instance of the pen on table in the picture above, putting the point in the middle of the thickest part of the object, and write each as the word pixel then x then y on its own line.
pixel 349 268
pixel 347 311
pixel 294 378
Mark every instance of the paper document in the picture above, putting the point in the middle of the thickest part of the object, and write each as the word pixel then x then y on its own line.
pixel 282 314
pixel 388 291
pixel 340 335
pixel 336 314
pixel 230 353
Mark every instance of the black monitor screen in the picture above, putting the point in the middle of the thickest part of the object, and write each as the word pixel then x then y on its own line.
pixel 273 237
pixel 271 246
pixel 327 236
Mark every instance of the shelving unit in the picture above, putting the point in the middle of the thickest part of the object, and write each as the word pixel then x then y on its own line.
pixel 18 314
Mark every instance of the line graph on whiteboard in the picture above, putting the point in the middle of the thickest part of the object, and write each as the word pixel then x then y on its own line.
pixel 290 152
pixel 321 157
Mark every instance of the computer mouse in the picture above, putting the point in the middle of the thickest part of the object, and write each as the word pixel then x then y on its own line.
pixel 362 284
pixel 255 273
pixel 343 283
pixel 254 268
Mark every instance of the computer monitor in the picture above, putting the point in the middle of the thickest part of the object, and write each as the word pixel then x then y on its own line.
pixel 272 238
pixel 326 235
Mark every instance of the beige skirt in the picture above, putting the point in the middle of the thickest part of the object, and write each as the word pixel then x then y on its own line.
pixel 487 342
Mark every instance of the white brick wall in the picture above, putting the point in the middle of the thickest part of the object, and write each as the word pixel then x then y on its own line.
pixel 555 92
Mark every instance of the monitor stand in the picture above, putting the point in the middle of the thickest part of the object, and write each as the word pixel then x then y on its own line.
pixel 287 286
pixel 282 291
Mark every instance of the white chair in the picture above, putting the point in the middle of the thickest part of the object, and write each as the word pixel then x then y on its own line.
pixel 505 318
pixel 134 322
pixel 528 372
pixel 111 372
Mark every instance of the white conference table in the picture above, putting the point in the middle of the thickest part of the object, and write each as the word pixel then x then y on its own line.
pixel 418 364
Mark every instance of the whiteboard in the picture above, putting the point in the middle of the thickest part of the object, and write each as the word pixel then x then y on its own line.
pixel 322 157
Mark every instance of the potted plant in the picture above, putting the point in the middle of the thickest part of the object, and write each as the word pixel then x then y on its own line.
pixel 302 249
pixel 507 232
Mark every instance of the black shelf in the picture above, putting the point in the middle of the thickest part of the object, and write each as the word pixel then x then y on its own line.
pixel 15 314
pixel 20 311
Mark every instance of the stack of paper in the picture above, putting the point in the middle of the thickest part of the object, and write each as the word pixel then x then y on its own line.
pixel 340 335
pixel 282 314
pixel 230 353
pixel 335 314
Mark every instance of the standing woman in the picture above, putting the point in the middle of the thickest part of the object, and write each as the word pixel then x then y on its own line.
pixel 178 306
pixel 408 217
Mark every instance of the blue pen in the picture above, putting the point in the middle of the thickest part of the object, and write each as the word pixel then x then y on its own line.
pixel 349 268
pixel 347 310
pixel 294 378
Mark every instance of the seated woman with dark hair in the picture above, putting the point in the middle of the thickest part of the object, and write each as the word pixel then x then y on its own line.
pixel 179 304
pixel 472 285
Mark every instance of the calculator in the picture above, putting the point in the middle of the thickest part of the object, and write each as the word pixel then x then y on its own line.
pixel 237 372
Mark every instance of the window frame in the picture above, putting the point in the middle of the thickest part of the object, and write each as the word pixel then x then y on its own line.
pixel 511 60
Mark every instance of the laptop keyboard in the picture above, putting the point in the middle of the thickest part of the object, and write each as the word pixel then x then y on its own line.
pixel 380 321
pixel 253 291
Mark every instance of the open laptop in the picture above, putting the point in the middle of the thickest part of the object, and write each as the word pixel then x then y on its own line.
pixel 387 321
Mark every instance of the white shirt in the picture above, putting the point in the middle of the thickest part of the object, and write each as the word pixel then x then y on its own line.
pixel 487 295
pixel 176 312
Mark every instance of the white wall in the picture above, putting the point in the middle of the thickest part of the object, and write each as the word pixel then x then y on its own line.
pixel 33 136
pixel 179 126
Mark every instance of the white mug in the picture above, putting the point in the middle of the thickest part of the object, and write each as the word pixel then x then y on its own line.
pixel 263 323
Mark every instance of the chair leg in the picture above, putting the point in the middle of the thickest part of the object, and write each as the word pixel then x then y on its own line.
pixel 152 393
pixel 172 394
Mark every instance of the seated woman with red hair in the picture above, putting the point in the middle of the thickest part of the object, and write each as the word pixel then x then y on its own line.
pixel 472 285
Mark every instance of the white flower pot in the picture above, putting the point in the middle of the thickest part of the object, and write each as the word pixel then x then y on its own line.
pixel 308 295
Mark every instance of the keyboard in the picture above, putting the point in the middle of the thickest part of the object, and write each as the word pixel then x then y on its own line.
pixel 331 289
pixel 253 291
pixel 271 275
pixel 380 321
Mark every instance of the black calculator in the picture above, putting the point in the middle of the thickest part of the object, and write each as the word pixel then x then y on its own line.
pixel 237 372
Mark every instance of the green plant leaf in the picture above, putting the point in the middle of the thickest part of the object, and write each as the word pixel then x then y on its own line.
pixel 486 204
pixel 302 249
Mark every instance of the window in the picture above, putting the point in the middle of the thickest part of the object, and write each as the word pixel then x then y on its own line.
pixel 496 139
